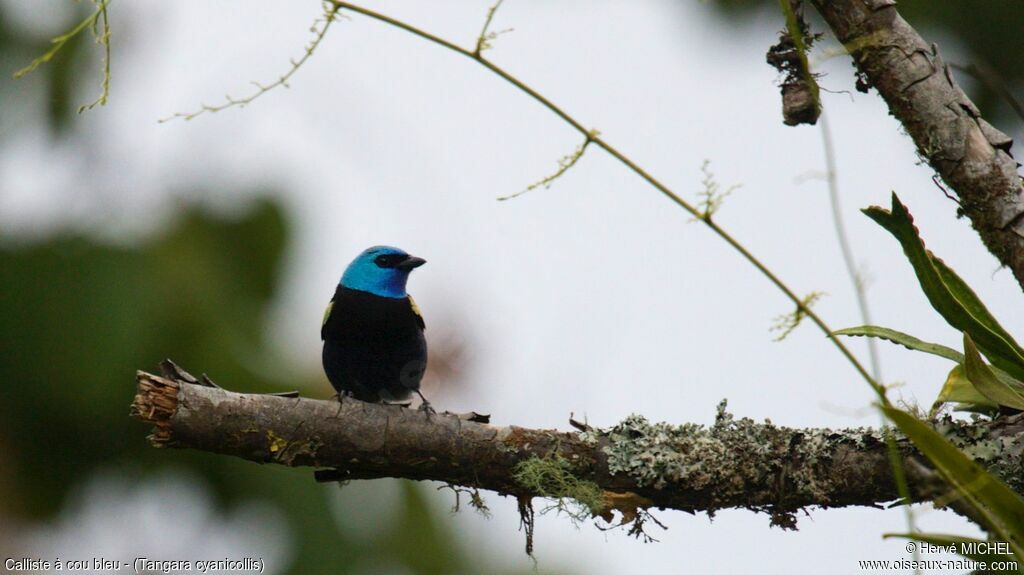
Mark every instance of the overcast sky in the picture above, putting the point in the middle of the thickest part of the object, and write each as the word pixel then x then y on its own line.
pixel 593 297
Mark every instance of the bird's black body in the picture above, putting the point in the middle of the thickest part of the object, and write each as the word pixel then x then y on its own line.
pixel 374 347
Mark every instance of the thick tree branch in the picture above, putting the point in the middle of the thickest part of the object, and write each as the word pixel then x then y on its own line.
pixel 970 155
pixel 634 465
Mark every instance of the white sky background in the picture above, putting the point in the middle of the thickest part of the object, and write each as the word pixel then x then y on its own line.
pixel 593 297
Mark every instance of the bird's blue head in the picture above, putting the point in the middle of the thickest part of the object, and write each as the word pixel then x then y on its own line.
pixel 381 270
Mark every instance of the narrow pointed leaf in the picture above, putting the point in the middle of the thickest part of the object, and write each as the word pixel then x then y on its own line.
pixel 998 505
pixel 970 300
pixel 948 293
pixel 906 340
pixel 986 381
pixel 959 389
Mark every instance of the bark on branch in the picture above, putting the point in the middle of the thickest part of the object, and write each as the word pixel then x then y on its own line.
pixel 632 466
pixel 972 157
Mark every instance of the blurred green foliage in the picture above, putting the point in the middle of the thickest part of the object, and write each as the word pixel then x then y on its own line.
pixel 80 317
pixel 988 31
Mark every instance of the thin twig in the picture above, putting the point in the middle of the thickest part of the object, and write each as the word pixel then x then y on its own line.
pixel 483 41
pixel 564 165
pixel 712 196
pixel 59 42
pixel 856 278
pixel 318 36
pixel 895 461
pixel 635 168
pixel 785 324
pixel 102 38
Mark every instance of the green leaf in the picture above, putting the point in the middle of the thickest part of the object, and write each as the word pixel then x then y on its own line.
pixel 959 389
pixel 970 300
pixel 965 546
pixel 906 340
pixel 986 381
pixel 997 505
pixel 948 293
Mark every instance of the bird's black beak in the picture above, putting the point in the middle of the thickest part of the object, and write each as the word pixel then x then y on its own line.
pixel 410 263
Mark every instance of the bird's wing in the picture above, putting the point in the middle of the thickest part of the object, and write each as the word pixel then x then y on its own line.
pixel 327 314
pixel 416 311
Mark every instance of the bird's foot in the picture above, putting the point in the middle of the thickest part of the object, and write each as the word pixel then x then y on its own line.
pixel 425 406
pixel 341 396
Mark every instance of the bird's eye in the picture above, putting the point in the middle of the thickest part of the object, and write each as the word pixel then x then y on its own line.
pixel 388 260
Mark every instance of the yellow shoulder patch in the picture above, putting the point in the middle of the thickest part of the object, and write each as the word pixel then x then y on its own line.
pixel 327 313
pixel 415 308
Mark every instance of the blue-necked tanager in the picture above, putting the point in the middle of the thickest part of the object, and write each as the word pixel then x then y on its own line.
pixel 374 349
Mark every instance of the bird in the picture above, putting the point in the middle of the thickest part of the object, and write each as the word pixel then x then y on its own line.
pixel 374 348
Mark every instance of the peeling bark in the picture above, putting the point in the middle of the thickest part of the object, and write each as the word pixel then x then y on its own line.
pixel 635 464
pixel 970 155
